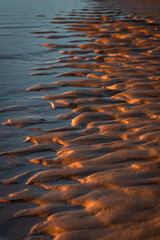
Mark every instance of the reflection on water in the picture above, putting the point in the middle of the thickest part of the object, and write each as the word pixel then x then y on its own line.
pixel 89 166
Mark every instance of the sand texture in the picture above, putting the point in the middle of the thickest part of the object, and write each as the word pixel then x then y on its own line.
pixel 92 169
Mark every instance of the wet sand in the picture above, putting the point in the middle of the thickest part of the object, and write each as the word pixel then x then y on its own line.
pixel 89 165
pixel 143 7
pixel 148 8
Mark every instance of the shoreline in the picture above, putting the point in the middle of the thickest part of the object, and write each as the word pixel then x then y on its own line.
pixel 81 157
pixel 147 9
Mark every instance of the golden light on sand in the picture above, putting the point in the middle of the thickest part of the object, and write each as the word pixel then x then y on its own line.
pixel 98 176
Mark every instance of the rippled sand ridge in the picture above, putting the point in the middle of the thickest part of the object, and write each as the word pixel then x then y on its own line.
pixel 93 170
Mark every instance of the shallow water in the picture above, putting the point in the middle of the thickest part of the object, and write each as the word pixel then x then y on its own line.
pixel 80 114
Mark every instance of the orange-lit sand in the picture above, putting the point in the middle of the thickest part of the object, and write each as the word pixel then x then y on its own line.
pixel 100 180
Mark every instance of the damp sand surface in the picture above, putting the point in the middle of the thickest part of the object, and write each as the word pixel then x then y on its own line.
pixel 80 117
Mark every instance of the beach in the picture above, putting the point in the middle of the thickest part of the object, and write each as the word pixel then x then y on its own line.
pixel 147 8
pixel 80 120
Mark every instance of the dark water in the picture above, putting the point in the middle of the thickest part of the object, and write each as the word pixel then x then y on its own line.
pixel 20 51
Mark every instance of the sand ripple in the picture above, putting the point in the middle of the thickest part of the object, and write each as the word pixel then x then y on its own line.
pixel 100 176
